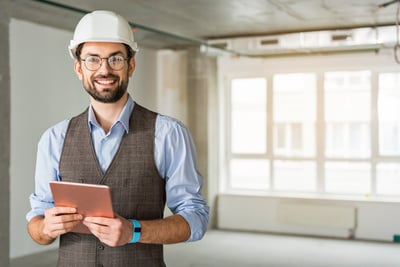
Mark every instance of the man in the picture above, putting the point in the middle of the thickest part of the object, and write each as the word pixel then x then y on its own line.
pixel 147 160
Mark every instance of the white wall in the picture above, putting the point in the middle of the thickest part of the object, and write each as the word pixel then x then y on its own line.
pixel 339 218
pixel 45 90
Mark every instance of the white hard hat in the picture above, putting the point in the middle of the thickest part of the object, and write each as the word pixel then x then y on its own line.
pixel 102 26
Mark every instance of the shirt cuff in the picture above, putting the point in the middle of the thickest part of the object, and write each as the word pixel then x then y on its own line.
pixel 198 223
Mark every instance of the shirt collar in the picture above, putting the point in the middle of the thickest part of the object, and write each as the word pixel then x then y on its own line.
pixel 124 117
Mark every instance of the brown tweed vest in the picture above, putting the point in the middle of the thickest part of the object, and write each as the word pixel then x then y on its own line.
pixel 138 192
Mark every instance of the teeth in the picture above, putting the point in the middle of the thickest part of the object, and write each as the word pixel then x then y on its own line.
pixel 106 82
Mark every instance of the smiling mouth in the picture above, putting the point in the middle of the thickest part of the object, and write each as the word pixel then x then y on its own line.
pixel 105 82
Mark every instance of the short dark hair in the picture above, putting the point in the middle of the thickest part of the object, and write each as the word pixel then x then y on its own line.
pixel 129 51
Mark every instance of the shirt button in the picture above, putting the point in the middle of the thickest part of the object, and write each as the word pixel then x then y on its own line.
pixel 100 247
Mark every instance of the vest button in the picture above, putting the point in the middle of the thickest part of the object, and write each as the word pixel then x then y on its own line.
pixel 100 247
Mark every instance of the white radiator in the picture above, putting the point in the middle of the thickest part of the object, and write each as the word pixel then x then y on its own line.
pixel 317 215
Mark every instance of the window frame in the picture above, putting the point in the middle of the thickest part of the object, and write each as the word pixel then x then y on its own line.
pixel 305 65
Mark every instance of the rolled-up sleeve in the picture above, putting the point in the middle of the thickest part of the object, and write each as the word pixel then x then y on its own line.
pixel 175 156
pixel 47 158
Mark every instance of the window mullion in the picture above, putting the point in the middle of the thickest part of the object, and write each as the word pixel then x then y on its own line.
pixel 374 129
pixel 320 134
pixel 270 129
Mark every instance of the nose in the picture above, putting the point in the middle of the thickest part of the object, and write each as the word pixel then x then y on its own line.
pixel 104 66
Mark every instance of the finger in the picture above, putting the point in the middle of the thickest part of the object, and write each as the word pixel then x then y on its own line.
pixel 60 210
pixel 112 232
pixel 96 227
pixel 68 226
pixel 55 230
pixel 64 210
pixel 100 231
pixel 57 225
pixel 70 217
pixel 99 220
pixel 63 219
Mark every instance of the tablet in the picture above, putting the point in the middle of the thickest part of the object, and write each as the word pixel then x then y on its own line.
pixel 92 200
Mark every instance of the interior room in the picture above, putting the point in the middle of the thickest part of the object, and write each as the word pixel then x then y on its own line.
pixel 293 107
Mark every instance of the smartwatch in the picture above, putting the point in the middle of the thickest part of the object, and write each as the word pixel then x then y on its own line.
pixel 136 230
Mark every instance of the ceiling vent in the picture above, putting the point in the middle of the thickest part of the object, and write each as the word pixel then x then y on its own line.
pixel 359 39
pixel 268 42
pixel 340 37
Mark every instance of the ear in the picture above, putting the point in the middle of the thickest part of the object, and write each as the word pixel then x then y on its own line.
pixel 131 66
pixel 78 69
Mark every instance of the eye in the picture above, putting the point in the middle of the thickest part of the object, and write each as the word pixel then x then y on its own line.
pixel 116 59
pixel 93 59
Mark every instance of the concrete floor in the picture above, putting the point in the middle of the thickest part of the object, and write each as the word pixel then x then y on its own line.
pixel 224 248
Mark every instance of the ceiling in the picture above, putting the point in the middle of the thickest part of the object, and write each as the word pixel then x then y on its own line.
pixel 177 23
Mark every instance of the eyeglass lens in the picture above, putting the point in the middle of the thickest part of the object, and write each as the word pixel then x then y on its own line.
pixel 94 62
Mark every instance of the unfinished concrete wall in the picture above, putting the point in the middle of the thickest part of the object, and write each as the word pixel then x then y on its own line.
pixel 4 133
pixel 202 83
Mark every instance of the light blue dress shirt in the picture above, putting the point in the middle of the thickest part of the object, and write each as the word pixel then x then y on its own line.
pixel 174 154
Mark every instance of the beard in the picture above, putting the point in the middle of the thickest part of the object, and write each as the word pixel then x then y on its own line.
pixel 106 95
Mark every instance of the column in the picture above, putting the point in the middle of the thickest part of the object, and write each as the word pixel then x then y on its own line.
pixel 4 133
pixel 202 118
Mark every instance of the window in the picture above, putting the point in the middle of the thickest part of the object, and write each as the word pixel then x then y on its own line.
pixel 388 114
pixel 294 176
pixel 346 177
pixel 249 174
pixel 294 118
pixel 347 114
pixel 388 178
pixel 248 116
pixel 306 136
pixel 294 114
pixel 388 167
pixel 248 101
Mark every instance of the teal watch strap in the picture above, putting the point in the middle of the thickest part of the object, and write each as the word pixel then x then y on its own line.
pixel 137 229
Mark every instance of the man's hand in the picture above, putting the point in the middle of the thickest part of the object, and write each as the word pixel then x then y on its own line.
pixel 60 220
pixel 56 221
pixel 118 231
pixel 110 231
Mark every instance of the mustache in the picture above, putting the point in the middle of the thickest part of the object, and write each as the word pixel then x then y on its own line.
pixel 108 76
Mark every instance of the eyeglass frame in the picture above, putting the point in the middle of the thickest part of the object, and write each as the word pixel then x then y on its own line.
pixel 101 61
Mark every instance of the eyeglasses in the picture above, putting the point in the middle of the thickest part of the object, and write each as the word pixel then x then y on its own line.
pixel 93 63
